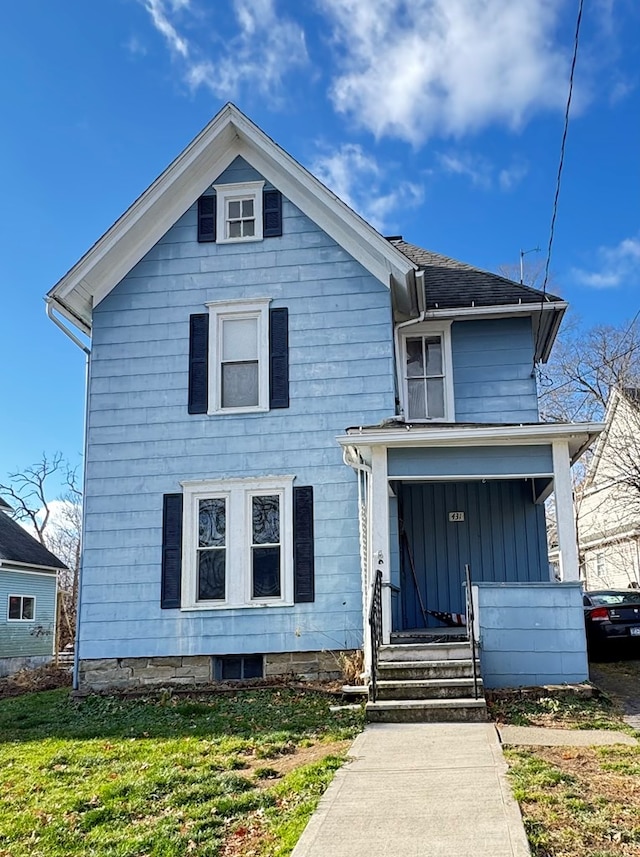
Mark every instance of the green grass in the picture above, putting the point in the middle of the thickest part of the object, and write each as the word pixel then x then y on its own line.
pixel 126 778
pixel 578 802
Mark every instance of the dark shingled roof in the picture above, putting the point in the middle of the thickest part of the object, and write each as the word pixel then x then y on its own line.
pixel 450 284
pixel 16 545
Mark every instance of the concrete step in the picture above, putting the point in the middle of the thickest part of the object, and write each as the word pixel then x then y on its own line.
pixel 447 688
pixel 416 670
pixel 427 711
pixel 425 652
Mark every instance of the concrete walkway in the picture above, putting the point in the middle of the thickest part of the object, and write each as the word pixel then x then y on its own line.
pixel 419 790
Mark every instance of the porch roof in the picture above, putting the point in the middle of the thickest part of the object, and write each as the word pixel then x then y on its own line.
pixel 396 433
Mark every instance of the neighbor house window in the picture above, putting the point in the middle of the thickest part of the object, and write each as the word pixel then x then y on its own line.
pixel 239 357
pixel 21 608
pixel 426 377
pixel 601 565
pixel 239 212
pixel 238 543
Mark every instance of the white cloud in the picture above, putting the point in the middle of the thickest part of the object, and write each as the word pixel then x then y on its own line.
pixel 616 266
pixel 445 67
pixel 473 167
pixel 160 17
pixel 481 172
pixel 510 177
pixel 135 47
pixel 357 178
pixel 264 49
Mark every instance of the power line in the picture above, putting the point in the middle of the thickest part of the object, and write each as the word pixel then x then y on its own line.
pixel 554 212
pixel 562 148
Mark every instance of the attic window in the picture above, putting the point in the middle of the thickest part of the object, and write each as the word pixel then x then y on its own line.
pixel 239 212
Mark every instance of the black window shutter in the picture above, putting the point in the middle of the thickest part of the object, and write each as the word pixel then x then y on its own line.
pixel 171 551
pixel 279 358
pixel 271 213
pixel 303 552
pixel 198 363
pixel 207 218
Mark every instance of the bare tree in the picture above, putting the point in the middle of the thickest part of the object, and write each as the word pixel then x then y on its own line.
pixel 55 521
pixel 586 365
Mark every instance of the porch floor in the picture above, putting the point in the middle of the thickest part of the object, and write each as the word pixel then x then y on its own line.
pixel 430 635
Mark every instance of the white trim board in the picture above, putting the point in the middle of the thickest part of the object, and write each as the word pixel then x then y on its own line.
pixel 579 436
pixel 24 568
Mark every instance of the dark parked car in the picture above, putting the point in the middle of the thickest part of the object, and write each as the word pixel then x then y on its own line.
pixel 612 621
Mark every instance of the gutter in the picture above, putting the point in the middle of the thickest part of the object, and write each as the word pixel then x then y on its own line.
pixel 58 323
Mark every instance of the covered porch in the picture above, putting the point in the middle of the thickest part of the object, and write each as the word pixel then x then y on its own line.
pixel 434 499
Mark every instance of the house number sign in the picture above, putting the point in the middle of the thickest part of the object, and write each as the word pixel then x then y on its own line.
pixel 456 516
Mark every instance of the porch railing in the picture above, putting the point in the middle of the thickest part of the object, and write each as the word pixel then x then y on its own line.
pixel 471 628
pixel 375 625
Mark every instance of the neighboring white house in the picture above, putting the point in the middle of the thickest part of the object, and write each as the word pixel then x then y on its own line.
pixel 608 507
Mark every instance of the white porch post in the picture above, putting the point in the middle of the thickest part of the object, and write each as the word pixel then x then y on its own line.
pixel 565 515
pixel 380 532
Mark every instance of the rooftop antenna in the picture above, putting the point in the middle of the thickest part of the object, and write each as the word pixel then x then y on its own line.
pixel 523 253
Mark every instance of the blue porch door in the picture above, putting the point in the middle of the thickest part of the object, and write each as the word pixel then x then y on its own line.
pixel 492 525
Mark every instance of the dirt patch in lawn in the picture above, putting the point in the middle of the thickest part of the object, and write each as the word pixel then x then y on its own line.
pixel 579 802
pixel 48 677
pixel 273 768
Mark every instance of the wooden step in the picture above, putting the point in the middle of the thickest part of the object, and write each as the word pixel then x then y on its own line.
pixel 437 688
pixel 427 711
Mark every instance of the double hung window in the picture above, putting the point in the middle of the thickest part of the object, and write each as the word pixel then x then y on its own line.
pixel 426 379
pixel 239 370
pixel 238 545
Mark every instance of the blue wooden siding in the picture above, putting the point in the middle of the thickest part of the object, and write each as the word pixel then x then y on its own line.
pixel 24 639
pixel 531 634
pixel 142 443
pixel 493 371
pixel 502 538
pixel 479 461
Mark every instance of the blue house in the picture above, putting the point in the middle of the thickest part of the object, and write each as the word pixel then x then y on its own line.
pixel 291 420
pixel 28 597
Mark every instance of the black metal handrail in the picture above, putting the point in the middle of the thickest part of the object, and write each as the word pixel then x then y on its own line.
pixel 471 628
pixel 375 626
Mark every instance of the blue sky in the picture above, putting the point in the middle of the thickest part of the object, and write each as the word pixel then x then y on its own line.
pixel 439 120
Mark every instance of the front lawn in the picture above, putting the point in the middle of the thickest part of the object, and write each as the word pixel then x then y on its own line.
pixel 578 801
pixel 231 774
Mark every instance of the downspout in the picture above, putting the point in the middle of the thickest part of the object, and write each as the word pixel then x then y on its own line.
pixel 351 458
pixel 64 328
pixel 396 345
pixel 87 351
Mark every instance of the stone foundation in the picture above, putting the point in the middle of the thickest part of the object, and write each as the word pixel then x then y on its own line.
pixel 9 666
pixel 197 670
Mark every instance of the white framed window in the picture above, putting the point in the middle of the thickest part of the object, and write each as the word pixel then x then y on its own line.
pixel 239 356
pixel 601 565
pixel 237 543
pixel 239 212
pixel 426 372
pixel 21 608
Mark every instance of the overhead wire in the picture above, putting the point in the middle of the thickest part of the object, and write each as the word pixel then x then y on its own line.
pixel 563 144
